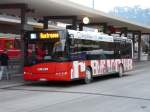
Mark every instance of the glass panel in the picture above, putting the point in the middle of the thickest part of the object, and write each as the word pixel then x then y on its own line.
pixel 46 50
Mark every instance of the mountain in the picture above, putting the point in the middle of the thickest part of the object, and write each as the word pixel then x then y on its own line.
pixel 135 13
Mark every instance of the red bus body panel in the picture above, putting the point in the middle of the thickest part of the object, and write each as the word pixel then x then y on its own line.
pixel 67 71
pixel 48 71
pixel 13 53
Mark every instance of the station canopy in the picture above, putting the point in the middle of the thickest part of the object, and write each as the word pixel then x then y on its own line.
pixel 67 8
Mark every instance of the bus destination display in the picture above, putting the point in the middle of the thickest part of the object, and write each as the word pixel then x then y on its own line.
pixel 44 35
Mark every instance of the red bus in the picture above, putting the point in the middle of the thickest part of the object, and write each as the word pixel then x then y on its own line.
pixel 12 45
pixel 66 55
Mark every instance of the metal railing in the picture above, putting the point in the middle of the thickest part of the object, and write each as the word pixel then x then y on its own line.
pixel 15 67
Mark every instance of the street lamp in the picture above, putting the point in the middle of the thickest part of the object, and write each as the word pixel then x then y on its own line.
pixel 86 20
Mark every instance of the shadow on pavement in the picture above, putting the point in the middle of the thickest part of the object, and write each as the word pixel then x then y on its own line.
pixel 60 84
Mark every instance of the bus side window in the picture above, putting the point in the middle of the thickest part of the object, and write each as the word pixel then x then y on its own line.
pixel 117 52
pixel 102 56
pixel 74 46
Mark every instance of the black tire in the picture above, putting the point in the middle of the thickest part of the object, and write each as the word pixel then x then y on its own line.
pixel 88 76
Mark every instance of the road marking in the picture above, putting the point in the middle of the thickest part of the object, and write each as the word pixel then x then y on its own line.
pixel 83 93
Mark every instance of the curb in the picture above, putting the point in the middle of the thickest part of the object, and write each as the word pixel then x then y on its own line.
pixel 11 85
pixel 15 85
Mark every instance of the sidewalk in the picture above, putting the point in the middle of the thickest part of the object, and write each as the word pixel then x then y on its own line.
pixel 15 81
pixel 140 64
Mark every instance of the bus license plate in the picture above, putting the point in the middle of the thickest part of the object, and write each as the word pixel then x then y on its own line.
pixel 43 79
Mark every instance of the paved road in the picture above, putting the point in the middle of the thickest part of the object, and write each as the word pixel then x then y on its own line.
pixel 130 93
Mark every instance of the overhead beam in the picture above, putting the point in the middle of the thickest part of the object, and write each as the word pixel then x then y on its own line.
pixel 13 6
pixel 94 24
pixel 145 33
pixel 134 31
pixel 72 18
pixel 16 6
pixel 60 17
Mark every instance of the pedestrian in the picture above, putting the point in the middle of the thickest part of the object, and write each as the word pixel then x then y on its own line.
pixel 4 65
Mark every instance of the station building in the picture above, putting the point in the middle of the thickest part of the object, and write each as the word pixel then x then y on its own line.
pixel 18 16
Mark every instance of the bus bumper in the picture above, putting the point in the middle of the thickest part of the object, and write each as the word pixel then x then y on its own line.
pixel 47 77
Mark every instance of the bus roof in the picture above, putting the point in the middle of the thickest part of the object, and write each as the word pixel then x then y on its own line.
pixel 122 39
pixel 87 35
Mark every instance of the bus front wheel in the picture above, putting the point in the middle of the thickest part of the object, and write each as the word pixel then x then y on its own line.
pixel 88 76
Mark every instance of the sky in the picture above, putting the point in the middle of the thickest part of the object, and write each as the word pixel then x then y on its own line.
pixel 107 5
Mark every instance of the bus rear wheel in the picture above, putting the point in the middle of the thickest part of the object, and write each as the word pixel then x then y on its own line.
pixel 88 76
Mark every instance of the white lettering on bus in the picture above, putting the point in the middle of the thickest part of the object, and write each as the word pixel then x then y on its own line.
pixel 100 67
pixel 77 68
pixel 104 66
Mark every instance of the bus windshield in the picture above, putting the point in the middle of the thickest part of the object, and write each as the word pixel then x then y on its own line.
pixel 39 51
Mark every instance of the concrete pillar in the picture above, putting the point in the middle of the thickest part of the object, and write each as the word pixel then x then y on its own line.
pixel 80 27
pixel 45 23
pixel 149 49
pixel 22 32
pixel 74 23
pixel 139 46
pixel 133 40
